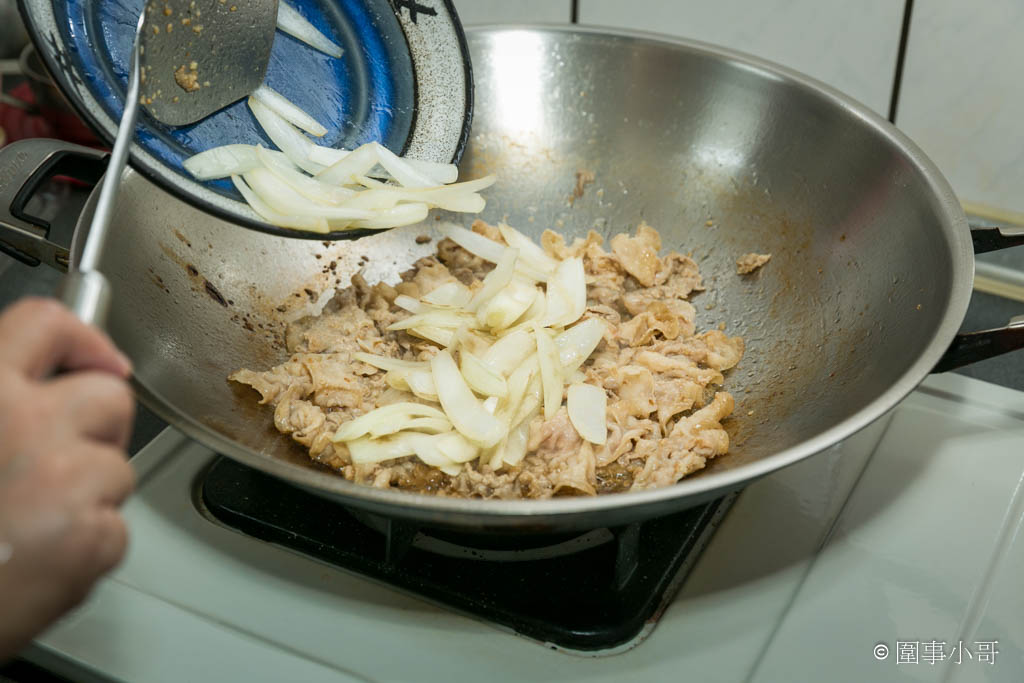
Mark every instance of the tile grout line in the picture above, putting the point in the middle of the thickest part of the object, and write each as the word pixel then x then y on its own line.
pixel 901 55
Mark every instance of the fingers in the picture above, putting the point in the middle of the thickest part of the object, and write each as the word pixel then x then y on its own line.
pixel 98 549
pixel 95 405
pixel 39 336
pixel 103 476
pixel 113 539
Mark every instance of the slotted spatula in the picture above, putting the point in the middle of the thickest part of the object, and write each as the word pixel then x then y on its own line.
pixel 190 58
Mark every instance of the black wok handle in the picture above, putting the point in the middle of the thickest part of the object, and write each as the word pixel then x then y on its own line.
pixel 24 166
pixel 989 238
pixel 971 347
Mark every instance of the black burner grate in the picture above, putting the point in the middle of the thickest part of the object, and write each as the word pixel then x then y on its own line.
pixel 584 592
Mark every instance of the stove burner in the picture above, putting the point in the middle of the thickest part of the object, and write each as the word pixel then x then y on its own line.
pixel 490 548
pixel 597 592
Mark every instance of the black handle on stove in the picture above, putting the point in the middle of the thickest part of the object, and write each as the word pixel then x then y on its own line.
pixel 24 166
pixel 971 347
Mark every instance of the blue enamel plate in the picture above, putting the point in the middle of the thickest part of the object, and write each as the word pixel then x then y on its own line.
pixel 404 80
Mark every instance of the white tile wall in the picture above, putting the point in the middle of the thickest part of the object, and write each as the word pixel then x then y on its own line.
pixel 513 11
pixel 962 95
pixel 849 45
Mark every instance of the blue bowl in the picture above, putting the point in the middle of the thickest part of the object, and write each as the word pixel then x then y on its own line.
pixel 404 80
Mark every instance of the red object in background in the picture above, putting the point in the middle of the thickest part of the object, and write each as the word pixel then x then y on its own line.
pixel 52 123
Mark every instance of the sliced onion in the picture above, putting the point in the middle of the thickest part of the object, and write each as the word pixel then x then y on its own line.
pixel 439 335
pixel 486 248
pixel 566 298
pixel 294 144
pixel 427 448
pixel 391 417
pixel 478 245
pixel 491 404
pixel 507 306
pixel 285 200
pixel 430 425
pixel 287 110
pixel 403 214
pixel 496 280
pixel 454 294
pixel 311 223
pixel 529 250
pixel 311 188
pixel 448 197
pixel 221 162
pixel 579 341
pixel 412 305
pixel 434 318
pixel 480 377
pixel 587 406
pixel 440 174
pixel 420 383
pixel 367 451
pixel 456 447
pixel 294 24
pixel 402 172
pixel 550 373
pixel 531 402
pixel 345 171
pixel 518 383
pixel 518 436
pixel 463 408
pixel 509 352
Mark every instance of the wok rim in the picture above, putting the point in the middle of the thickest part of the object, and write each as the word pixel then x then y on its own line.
pixel 575 511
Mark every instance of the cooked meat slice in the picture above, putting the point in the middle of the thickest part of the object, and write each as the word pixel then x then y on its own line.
pixel 657 319
pixel 674 396
pixel 569 465
pixel 489 231
pixel 678 366
pixel 275 382
pixel 694 441
pixel 300 418
pixel 712 348
pixel 639 255
pixel 338 329
pixel 338 384
pixel 748 263
pixel 635 394
pixel 462 265
pixel 431 274
pixel 679 277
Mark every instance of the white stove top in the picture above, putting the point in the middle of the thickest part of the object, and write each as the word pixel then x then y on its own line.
pixel 910 531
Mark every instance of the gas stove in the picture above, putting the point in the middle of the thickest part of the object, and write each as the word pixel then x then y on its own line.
pixel 906 535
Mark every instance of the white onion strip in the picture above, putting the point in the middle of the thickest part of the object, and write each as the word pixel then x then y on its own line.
pixel 587 406
pixel 394 414
pixel 460 405
pixel 294 144
pixel 311 223
pixel 287 110
pixel 294 24
pixel 550 373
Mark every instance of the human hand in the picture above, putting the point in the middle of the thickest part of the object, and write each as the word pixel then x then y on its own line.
pixel 63 470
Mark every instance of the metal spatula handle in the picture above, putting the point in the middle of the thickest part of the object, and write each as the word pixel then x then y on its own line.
pixel 85 290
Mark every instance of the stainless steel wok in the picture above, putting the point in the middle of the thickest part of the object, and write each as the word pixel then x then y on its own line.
pixel 722 153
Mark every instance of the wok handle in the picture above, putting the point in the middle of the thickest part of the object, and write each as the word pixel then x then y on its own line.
pixel 989 238
pixel 971 347
pixel 977 346
pixel 24 166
